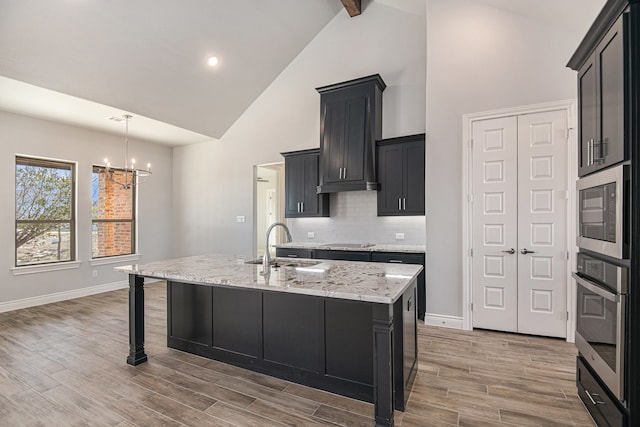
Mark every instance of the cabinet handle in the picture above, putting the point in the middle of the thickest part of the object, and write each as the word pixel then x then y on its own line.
pixel 344 173
pixel 409 303
pixel 340 174
pixel 590 152
pixel 298 207
pixel 399 203
pixel 404 204
pixel 396 261
pixel 292 256
pixel 301 207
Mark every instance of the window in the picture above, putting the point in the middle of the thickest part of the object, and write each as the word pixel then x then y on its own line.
pixel 112 213
pixel 45 211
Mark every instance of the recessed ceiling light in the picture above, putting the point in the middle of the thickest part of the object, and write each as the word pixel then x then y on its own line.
pixel 213 61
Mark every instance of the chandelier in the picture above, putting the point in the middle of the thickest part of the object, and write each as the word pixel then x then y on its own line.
pixel 129 175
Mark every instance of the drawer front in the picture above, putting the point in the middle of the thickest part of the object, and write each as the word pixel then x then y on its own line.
pixel 598 402
pixel 395 257
pixel 294 253
pixel 341 255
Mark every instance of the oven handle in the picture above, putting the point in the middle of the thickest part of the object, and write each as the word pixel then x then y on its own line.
pixel 596 289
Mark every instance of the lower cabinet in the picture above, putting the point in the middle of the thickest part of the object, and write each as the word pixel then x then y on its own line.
pixel 326 343
pixel 601 406
pixel 408 258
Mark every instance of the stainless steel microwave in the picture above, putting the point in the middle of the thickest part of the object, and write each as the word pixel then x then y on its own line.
pixel 602 212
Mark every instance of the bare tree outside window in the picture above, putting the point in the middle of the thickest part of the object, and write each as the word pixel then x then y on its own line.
pixel 45 214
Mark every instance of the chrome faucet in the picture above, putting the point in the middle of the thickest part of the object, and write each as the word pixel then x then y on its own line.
pixel 266 259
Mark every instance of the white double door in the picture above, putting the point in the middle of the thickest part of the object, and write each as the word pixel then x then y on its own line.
pixel 519 223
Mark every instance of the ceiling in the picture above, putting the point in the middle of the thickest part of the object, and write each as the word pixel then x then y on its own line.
pixel 82 61
pixel 149 57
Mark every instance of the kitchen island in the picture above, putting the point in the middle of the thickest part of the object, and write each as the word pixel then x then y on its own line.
pixel 345 327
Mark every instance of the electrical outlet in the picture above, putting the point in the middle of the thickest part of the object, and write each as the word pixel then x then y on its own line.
pixel 399 236
pixel 240 218
pixel 311 235
pixel 94 273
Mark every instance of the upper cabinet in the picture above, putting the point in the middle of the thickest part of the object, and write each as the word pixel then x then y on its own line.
pixel 401 176
pixel 301 181
pixel 601 100
pixel 350 123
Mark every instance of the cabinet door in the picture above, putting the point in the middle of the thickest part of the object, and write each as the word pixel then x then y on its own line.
pixel 587 116
pixel 294 184
pixel 390 158
pixel 309 197
pixel 609 147
pixel 333 121
pixel 356 137
pixel 413 178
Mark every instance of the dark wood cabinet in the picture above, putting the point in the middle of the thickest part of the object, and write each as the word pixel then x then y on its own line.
pixel 601 99
pixel 301 181
pixel 408 258
pixel 350 123
pixel 341 255
pixel 401 176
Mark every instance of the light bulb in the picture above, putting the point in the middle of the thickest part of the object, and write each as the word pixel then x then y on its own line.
pixel 213 61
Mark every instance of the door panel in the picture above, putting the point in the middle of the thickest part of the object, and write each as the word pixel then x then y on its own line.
pixel 495 292
pixel 542 221
pixel 520 203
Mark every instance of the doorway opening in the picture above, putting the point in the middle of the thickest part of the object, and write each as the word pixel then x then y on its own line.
pixel 268 205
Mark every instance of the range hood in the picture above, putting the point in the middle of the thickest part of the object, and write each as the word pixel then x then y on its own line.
pixel 350 124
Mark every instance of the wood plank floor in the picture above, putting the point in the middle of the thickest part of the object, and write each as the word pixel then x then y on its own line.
pixel 63 364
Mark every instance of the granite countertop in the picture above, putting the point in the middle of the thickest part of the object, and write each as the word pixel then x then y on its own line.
pixel 355 247
pixel 362 281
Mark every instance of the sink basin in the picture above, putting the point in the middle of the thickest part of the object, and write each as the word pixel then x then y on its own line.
pixel 286 262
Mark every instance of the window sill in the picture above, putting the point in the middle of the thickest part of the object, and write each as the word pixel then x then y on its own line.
pixel 115 259
pixel 43 268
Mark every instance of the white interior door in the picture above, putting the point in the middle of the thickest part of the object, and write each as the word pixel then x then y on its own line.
pixel 495 224
pixel 542 223
pixel 519 223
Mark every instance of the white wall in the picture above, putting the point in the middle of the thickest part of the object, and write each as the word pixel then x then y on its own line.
pixel 479 58
pixel 30 136
pixel 214 179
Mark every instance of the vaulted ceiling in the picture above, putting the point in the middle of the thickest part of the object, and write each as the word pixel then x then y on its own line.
pixel 82 61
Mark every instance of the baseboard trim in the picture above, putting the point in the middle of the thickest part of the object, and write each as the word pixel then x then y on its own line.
pixel 61 296
pixel 442 320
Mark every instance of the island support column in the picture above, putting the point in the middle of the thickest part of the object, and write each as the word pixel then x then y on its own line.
pixel 136 321
pixel 383 364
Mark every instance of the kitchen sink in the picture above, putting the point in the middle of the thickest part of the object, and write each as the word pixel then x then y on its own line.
pixel 286 262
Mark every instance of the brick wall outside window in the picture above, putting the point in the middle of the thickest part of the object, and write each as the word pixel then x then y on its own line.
pixel 113 215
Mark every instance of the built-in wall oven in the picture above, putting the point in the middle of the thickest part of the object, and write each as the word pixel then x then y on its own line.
pixel 602 212
pixel 600 321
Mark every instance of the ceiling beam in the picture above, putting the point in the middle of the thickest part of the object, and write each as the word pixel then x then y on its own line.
pixel 353 7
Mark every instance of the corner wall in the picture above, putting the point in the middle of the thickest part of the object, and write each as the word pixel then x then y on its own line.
pixel 479 59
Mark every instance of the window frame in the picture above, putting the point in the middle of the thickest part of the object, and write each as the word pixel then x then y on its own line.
pixel 46 162
pixel 97 260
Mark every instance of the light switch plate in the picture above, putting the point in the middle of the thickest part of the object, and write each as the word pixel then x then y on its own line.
pixel 311 235
pixel 399 236
pixel 240 218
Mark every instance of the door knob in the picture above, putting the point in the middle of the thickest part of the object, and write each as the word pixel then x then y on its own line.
pixel 527 251
pixel 510 251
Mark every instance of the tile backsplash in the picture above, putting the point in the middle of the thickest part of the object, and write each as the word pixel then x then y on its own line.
pixel 354 219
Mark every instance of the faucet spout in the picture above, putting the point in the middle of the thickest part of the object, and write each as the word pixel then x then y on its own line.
pixel 266 259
